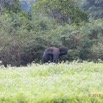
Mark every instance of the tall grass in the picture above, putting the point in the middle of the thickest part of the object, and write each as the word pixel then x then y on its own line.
pixel 52 83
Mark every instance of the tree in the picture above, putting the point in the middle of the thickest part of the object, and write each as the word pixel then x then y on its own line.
pixel 94 8
pixel 62 10
pixel 9 5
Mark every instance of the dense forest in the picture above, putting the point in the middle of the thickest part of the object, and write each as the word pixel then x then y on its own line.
pixel 28 27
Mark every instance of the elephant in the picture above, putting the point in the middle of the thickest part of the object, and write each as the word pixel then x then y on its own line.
pixel 53 54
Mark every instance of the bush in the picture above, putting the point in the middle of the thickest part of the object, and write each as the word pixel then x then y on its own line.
pixel 23 39
pixel 28 37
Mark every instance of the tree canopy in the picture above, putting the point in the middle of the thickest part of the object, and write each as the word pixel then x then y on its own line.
pixel 9 5
pixel 24 37
pixel 62 10
pixel 93 7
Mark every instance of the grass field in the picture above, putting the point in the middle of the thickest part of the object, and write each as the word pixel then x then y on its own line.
pixel 52 83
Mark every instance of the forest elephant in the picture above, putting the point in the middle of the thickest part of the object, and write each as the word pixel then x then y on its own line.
pixel 53 54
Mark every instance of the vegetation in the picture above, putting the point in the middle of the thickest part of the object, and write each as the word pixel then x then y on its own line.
pixel 62 10
pixel 52 83
pixel 94 8
pixel 75 24
pixel 9 5
pixel 24 36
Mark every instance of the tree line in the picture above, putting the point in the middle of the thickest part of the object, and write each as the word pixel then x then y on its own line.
pixel 24 36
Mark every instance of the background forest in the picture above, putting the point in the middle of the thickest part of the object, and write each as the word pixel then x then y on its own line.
pixel 27 27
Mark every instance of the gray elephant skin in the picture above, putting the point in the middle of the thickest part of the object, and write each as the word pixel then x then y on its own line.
pixel 52 54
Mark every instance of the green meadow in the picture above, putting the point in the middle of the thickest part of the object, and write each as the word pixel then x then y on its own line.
pixel 52 83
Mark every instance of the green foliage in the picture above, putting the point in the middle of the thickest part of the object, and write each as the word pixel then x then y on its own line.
pixel 9 5
pixel 93 7
pixel 52 83
pixel 23 39
pixel 62 10
pixel 81 40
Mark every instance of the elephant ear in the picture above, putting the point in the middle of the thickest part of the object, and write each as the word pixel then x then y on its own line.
pixel 63 51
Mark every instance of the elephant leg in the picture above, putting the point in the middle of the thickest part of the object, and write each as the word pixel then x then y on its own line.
pixel 48 58
pixel 45 58
pixel 51 58
pixel 55 58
